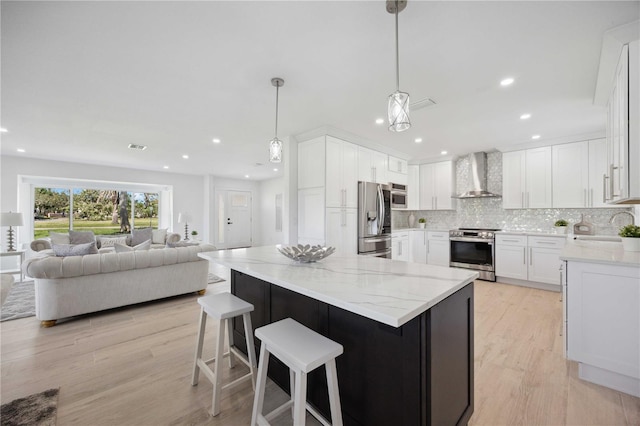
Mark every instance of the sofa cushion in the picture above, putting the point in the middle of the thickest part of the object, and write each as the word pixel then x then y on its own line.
pixel 182 244
pixel 58 238
pixel 111 241
pixel 74 249
pixel 81 237
pixel 121 248
pixel 141 235
pixel 159 236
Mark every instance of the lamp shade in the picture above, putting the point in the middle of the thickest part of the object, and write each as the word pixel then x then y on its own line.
pixel 11 219
pixel 275 151
pixel 399 112
pixel 184 217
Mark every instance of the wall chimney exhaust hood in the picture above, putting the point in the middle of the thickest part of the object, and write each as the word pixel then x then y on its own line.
pixel 477 177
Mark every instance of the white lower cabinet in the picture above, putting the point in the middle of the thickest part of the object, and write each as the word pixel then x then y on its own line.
pixel 418 246
pixel 438 248
pixel 529 258
pixel 342 229
pixel 603 323
pixel 400 245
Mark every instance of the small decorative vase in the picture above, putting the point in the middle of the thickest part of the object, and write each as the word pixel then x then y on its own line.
pixel 631 243
pixel 411 220
pixel 422 225
pixel 561 229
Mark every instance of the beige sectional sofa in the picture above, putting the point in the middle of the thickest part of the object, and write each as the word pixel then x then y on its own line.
pixel 76 285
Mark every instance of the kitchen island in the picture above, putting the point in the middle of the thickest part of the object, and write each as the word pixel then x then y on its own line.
pixel 406 328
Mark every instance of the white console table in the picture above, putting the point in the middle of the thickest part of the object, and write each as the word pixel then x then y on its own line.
pixel 19 253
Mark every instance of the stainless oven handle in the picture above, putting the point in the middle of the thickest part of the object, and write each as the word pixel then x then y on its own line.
pixel 471 240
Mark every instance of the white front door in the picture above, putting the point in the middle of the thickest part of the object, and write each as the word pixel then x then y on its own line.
pixel 234 219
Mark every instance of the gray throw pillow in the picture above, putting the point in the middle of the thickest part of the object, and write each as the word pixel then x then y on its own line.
pixel 58 238
pixel 111 241
pixel 141 235
pixel 121 248
pixel 81 237
pixel 62 250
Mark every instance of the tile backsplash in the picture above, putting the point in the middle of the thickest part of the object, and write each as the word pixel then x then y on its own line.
pixel 488 212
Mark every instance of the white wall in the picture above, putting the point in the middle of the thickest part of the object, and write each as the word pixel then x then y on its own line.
pixel 188 190
pixel 268 235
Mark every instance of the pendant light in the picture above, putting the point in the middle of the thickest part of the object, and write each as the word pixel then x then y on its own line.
pixel 398 109
pixel 275 146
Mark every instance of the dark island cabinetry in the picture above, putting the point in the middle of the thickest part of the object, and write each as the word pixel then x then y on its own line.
pixel 420 373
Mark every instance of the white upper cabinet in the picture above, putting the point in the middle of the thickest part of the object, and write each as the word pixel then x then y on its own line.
pixel 372 166
pixel 526 178
pixel 436 186
pixel 341 175
pixel 413 187
pixel 311 163
pixel 397 165
pixel 571 175
pixel 597 170
pixel 623 129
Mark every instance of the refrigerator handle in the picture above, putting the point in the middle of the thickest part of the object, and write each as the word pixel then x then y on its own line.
pixel 381 211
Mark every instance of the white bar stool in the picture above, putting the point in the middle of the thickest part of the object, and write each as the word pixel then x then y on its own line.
pixel 302 350
pixel 224 307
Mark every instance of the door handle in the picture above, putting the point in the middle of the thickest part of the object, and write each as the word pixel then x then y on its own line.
pixel 524 255
pixel 530 256
pixel 604 187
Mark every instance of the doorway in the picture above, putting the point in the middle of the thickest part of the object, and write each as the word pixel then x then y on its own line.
pixel 234 219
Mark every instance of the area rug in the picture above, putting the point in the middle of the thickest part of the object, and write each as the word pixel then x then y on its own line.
pixel 20 303
pixel 38 409
pixel 212 279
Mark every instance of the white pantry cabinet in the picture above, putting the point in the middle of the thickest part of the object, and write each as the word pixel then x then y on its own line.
pixel 342 229
pixel 603 323
pixel 341 173
pixel 311 163
pixel 526 179
pixel 436 186
pixel 372 166
pixel 438 247
pixel 400 245
pixel 413 187
pixel 418 246
pixel 311 216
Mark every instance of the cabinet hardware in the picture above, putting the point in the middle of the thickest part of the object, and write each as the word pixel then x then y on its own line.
pixel 524 255
pixel 522 200
pixel 510 241
pixel 546 242
pixel 604 188
pixel 530 256
pixel 586 198
pixel 591 197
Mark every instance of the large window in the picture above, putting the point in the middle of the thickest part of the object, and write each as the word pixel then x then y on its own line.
pixel 103 211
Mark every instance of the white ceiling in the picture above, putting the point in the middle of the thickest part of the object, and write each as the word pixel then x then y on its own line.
pixel 82 80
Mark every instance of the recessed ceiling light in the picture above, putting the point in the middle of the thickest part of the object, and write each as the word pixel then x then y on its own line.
pixel 216 140
pixel 275 170
pixel 443 152
pixel 3 130
pixel 507 81
pixel 185 156
pixel 165 167
pixel 20 150
pixel 535 137
pixel 525 116
pixel 247 176
pixel 379 120
pixel 418 140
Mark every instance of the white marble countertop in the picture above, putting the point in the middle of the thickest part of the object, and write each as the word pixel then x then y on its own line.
pixel 384 290
pixel 606 252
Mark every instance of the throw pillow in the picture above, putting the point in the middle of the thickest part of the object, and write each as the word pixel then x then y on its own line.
pixel 121 248
pixel 141 235
pixel 81 237
pixel 159 236
pixel 58 238
pixel 62 250
pixel 109 242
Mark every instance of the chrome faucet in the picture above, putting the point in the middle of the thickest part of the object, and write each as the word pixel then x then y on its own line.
pixel 633 217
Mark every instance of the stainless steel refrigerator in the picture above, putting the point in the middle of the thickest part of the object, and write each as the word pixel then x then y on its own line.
pixel 374 219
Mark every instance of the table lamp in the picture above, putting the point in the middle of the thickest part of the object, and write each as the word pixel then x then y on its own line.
pixel 11 219
pixel 185 218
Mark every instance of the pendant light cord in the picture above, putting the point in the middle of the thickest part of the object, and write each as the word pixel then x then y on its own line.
pixel 397 53
pixel 277 90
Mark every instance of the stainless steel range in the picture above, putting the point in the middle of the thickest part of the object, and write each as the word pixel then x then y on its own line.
pixel 474 248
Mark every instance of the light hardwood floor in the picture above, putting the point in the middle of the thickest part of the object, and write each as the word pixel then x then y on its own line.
pixel 132 366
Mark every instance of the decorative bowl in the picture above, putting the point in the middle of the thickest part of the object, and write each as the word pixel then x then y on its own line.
pixel 306 253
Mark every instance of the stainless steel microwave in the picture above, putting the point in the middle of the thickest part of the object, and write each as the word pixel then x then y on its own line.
pixel 398 196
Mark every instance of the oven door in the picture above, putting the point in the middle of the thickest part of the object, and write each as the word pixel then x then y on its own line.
pixel 470 253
